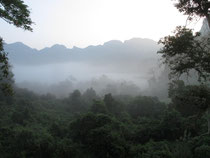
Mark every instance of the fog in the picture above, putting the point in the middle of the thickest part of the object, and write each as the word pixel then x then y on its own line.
pixel 62 79
pixel 120 68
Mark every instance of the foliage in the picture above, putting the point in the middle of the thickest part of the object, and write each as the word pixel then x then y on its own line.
pixel 99 107
pixel 85 125
pixel 194 8
pixel 76 102
pixel 40 126
pixel 183 52
pixel 172 125
pixel 181 149
pixel 189 100
pixel 113 106
pixel 16 12
pixel 5 73
pixel 152 149
pixel 145 106
pixel 202 151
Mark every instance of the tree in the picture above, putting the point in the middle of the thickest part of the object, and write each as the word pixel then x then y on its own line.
pixel 5 73
pixel 89 95
pixel 14 12
pixel 152 149
pixel 98 107
pixel 100 135
pixel 76 103
pixel 189 100
pixel 194 8
pixel 145 106
pixel 184 52
pixel 109 102
pixel 113 106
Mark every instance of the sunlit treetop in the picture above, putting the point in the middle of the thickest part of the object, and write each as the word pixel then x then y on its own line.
pixel 16 12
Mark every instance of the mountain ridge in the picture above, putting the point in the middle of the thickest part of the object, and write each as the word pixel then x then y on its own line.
pixel 110 51
pixel 62 45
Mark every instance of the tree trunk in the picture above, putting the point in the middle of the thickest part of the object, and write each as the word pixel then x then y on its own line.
pixel 208 119
pixel 208 19
pixel 208 110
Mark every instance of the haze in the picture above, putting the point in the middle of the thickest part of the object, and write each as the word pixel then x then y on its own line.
pixel 106 68
pixel 91 22
pixel 110 46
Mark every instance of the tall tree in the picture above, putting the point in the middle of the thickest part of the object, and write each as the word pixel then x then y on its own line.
pixel 5 74
pixel 17 13
pixel 184 52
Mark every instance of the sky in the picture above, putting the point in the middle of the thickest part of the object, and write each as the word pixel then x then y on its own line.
pixel 82 23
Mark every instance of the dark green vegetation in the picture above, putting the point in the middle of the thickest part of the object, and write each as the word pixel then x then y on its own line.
pixel 5 73
pixel 86 125
pixel 13 12
pixel 16 12
pixel 184 52
pixel 194 8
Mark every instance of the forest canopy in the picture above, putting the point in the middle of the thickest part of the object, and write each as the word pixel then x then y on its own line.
pixel 85 124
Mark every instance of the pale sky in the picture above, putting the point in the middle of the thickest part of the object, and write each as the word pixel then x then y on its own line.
pixel 91 22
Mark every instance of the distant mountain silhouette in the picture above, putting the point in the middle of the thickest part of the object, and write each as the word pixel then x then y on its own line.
pixel 131 51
